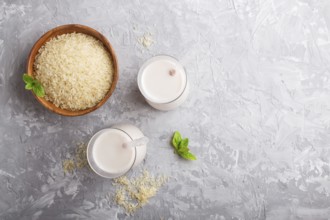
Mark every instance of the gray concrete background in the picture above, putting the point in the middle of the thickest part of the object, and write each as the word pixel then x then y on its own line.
pixel 258 115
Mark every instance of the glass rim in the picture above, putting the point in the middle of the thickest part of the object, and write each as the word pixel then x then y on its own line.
pixel 92 162
pixel 144 66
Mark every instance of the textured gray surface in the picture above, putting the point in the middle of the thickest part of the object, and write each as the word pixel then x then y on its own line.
pixel 258 115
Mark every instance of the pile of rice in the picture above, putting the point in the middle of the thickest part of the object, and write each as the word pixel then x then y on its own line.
pixel 75 70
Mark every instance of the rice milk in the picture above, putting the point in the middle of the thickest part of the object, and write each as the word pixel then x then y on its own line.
pixel 162 81
pixel 110 155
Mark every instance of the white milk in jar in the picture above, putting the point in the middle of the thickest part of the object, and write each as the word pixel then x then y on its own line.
pixel 107 154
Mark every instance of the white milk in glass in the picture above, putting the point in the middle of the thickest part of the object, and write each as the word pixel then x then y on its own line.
pixel 162 81
pixel 110 155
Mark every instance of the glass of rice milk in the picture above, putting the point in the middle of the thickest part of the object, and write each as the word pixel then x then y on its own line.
pixel 163 82
pixel 107 154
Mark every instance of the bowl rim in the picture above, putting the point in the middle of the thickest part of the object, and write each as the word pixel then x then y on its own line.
pixel 63 29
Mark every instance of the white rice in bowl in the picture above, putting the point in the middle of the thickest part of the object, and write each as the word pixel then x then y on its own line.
pixel 75 70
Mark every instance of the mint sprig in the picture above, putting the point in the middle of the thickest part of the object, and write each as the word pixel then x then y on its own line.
pixel 34 85
pixel 180 146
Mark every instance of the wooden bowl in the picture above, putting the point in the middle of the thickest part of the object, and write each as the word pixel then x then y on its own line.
pixel 65 29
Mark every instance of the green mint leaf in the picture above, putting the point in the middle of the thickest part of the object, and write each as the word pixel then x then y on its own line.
pixel 33 84
pixel 27 79
pixel 176 139
pixel 184 143
pixel 181 147
pixel 188 156
pixel 183 150
pixel 29 86
pixel 38 90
